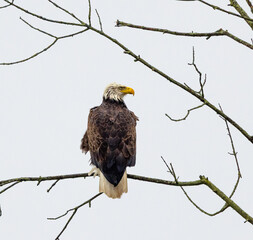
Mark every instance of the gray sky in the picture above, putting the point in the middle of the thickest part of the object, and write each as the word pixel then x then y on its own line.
pixel 44 105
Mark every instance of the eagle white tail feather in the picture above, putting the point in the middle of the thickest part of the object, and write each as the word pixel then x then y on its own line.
pixel 106 187
pixel 113 192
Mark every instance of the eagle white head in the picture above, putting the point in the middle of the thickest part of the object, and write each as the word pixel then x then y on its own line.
pixel 117 92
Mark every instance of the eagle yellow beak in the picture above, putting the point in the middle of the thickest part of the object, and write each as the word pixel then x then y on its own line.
pixel 128 90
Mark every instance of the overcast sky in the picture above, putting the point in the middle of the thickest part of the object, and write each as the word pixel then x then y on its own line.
pixel 44 105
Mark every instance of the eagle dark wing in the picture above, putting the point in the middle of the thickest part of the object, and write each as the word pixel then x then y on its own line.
pixel 111 140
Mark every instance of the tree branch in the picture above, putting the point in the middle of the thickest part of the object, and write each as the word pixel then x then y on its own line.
pixel 219 32
pixel 69 13
pixel 241 11
pixel 229 201
pixel 5 6
pixel 12 185
pixel 187 114
pixel 99 19
pixel 250 5
pixel 202 181
pixel 44 18
pixel 49 189
pixel 84 175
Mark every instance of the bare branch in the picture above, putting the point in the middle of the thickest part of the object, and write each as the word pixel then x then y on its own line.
pixel 241 11
pixel 43 18
pixel 171 170
pixel 69 13
pixel 219 32
pixel 37 29
pixel 72 209
pixel 75 209
pixel 214 7
pixel 201 181
pixel 5 6
pixel 32 56
pixel 84 175
pixel 49 189
pixel 233 146
pixel 99 19
pixel 187 114
pixel 201 91
pixel 250 5
pixel 89 15
pixel 12 185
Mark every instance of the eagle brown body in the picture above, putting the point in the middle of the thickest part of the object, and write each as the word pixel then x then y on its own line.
pixel 111 140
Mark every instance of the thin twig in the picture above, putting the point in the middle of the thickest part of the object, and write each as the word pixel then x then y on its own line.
pixel 99 19
pixel 75 209
pixel 37 29
pixel 49 189
pixel 43 18
pixel 5 6
pixel 71 14
pixel 239 176
pixel 233 146
pixel 172 172
pixel 12 185
pixel 32 56
pixel 72 209
pixel 225 11
pixel 187 114
pixel 201 91
pixel 89 15
pixel 66 225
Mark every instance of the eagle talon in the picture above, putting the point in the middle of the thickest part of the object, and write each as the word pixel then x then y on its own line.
pixel 94 171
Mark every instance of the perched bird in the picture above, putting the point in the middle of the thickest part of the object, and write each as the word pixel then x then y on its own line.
pixel 111 140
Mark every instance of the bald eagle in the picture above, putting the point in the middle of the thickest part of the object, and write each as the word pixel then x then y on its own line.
pixel 111 140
